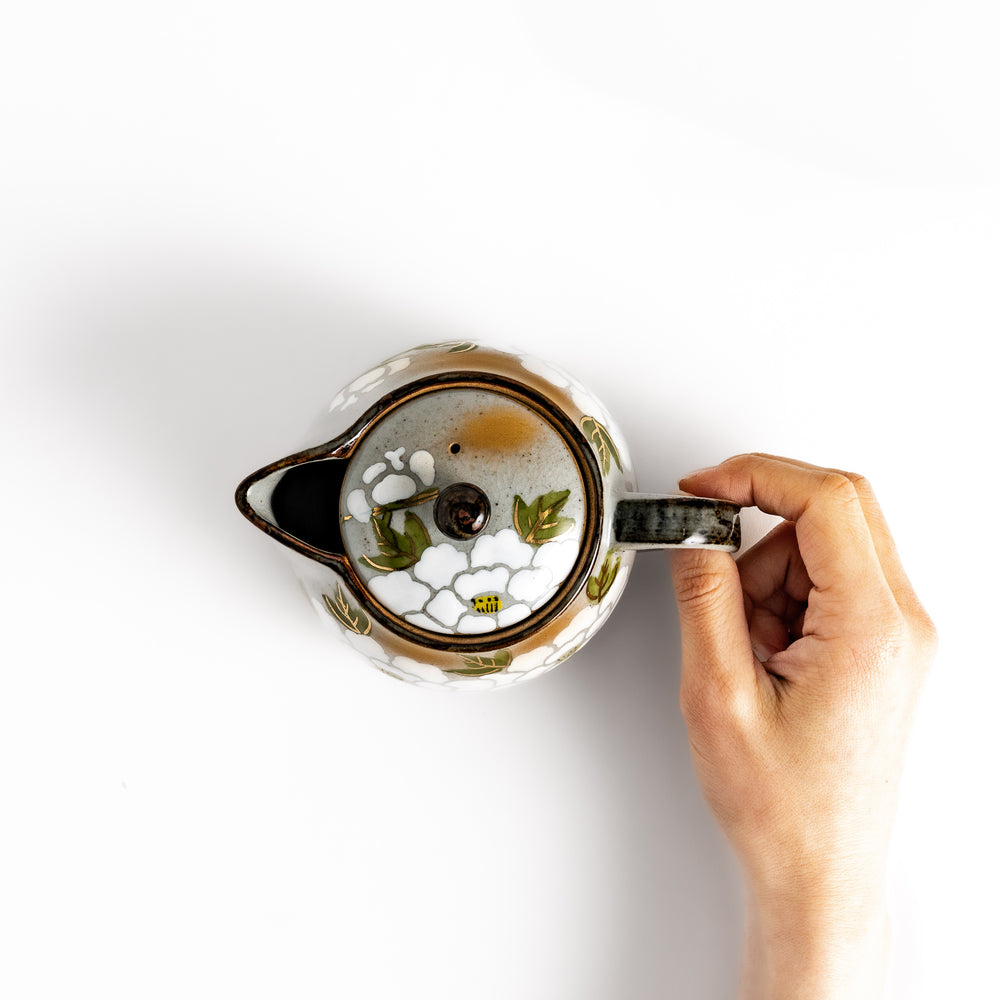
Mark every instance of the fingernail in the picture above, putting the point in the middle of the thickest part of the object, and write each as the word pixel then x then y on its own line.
pixel 698 472
pixel 761 653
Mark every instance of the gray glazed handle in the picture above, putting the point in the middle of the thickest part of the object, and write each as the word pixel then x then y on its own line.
pixel 676 522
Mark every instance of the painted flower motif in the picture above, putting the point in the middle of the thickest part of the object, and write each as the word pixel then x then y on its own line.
pixel 499 579
pixel 480 671
pixel 504 577
pixel 582 398
pixel 369 382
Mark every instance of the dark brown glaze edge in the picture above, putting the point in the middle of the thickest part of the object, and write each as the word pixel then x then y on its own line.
pixel 342 446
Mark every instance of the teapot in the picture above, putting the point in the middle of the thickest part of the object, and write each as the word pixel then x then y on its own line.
pixel 470 517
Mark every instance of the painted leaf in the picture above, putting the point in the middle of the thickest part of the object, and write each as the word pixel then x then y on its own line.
pixel 598 586
pixel 597 434
pixel 353 619
pixel 416 533
pixel 384 535
pixel 389 564
pixel 481 666
pixel 522 516
pixel 398 549
pixel 418 498
pixel 539 521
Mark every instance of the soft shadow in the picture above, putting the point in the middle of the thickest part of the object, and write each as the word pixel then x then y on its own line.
pixel 194 378
pixel 680 909
pixel 198 378
pixel 188 378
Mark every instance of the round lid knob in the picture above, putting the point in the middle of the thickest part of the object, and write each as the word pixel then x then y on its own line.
pixel 465 512
pixel 462 510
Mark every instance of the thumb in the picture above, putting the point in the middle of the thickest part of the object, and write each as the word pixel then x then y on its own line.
pixel 717 659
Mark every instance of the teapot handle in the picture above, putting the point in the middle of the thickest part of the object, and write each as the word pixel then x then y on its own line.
pixel 676 521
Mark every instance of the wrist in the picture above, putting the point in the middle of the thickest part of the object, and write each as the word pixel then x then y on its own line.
pixel 815 945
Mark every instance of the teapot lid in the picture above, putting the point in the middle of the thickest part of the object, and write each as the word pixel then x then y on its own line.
pixel 470 511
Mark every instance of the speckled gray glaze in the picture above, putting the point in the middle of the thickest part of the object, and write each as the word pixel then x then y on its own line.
pixel 502 573
pixel 471 518
pixel 677 522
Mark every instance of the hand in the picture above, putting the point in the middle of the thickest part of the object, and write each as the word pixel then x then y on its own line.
pixel 802 662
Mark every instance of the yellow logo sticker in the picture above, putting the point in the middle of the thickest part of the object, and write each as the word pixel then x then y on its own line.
pixel 488 604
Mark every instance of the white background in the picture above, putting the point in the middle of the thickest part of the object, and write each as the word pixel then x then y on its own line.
pixel 767 226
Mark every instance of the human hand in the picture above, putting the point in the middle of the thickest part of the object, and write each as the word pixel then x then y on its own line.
pixel 801 665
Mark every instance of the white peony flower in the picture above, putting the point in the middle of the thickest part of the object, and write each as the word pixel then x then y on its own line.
pixel 446 608
pixel 422 621
pixel 357 505
pixel 414 669
pixel 577 627
pixel 373 472
pixel 530 660
pixel 396 457
pixel 475 625
pixel 503 547
pixel 439 564
pixel 484 582
pixel 365 645
pixel 558 557
pixel 393 488
pixel 399 592
pixel 422 465
pixel 513 614
pixel 530 584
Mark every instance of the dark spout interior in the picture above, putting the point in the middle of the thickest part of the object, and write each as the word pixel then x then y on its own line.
pixel 306 504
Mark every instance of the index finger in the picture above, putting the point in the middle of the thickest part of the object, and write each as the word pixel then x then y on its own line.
pixel 833 535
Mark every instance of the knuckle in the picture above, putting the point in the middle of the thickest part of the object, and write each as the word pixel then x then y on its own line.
pixel 715 704
pixel 896 637
pixel 925 633
pixel 860 483
pixel 695 584
pixel 874 652
pixel 879 637
pixel 839 486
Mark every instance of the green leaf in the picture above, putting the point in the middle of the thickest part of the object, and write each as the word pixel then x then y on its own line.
pixel 353 619
pixel 481 666
pixel 385 537
pixel 398 549
pixel 388 564
pixel 539 521
pixel 417 534
pixel 414 501
pixel 597 434
pixel 598 586
pixel 522 516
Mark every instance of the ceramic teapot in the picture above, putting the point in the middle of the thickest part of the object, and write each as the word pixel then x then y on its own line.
pixel 470 517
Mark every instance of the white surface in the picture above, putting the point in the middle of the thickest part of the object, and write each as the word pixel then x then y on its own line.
pixel 769 226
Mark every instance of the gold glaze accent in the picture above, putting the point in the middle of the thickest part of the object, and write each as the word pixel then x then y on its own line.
pixel 493 371
pixel 593 505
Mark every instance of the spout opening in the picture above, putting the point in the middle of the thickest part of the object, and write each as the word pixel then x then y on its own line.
pixel 296 501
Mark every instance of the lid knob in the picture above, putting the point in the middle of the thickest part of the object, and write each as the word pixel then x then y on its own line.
pixel 462 510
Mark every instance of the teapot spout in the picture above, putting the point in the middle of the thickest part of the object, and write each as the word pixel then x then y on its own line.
pixel 296 500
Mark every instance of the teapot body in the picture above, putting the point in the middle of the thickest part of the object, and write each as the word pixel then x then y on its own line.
pixel 456 528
